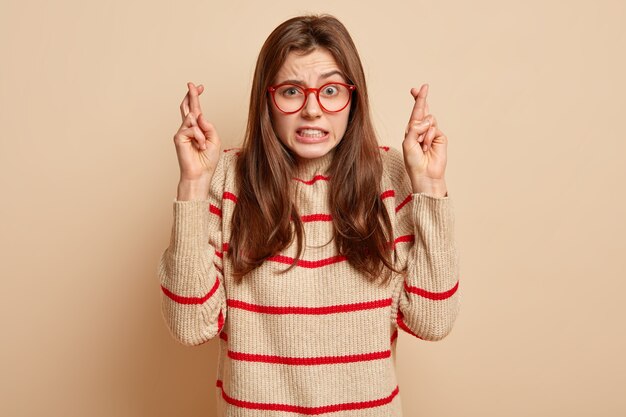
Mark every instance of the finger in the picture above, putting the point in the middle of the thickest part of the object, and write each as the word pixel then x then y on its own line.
pixel 416 129
pixel 184 107
pixel 198 134
pixel 206 127
pixel 190 120
pixel 432 119
pixel 436 135
pixel 428 138
pixel 423 129
pixel 194 101
pixel 193 134
pixel 420 102
pixel 420 126
pixel 434 131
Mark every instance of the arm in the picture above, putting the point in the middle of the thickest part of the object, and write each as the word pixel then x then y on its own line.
pixel 193 299
pixel 426 252
pixel 429 300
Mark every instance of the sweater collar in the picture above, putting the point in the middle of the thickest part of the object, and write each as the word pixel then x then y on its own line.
pixel 308 168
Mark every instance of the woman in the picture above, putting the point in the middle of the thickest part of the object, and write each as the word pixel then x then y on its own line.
pixel 307 249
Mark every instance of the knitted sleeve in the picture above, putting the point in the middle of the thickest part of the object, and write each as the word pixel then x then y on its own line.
pixel 193 299
pixel 425 250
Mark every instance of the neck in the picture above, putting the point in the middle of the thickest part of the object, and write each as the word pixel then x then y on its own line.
pixel 313 166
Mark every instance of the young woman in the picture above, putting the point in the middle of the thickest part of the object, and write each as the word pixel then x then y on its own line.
pixel 305 250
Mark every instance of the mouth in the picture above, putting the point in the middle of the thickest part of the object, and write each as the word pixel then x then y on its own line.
pixel 311 135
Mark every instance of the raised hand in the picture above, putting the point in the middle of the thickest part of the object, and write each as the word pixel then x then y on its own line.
pixel 197 147
pixel 425 147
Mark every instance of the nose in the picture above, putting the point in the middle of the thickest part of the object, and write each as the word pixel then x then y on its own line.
pixel 311 108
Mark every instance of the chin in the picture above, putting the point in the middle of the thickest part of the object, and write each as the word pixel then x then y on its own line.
pixel 310 151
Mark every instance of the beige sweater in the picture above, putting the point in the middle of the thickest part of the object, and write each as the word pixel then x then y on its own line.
pixel 321 339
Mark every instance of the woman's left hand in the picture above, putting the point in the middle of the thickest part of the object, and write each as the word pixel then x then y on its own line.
pixel 425 148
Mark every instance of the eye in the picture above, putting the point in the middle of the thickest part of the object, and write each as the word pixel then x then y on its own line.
pixel 290 91
pixel 330 90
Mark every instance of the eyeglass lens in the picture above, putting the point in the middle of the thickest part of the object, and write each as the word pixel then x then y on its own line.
pixel 332 97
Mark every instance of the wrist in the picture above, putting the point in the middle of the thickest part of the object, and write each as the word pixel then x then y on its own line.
pixel 433 187
pixel 193 190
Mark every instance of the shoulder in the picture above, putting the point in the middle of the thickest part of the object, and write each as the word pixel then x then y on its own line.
pixel 229 156
pixel 227 162
pixel 223 177
pixel 393 164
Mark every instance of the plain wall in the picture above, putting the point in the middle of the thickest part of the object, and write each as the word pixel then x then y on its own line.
pixel 530 94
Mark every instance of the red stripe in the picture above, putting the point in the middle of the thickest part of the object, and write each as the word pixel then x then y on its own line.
pixel 219 254
pixel 225 246
pixel 215 210
pixel 394 335
pixel 229 196
pixel 308 410
pixel 191 300
pixel 392 193
pixel 387 194
pixel 313 180
pixel 319 360
pixel 224 336
pixel 308 264
pixel 432 295
pixel 405 238
pixel 220 321
pixel 406 200
pixel 384 148
pixel 403 326
pixel 316 218
pixel 232 149
pixel 338 308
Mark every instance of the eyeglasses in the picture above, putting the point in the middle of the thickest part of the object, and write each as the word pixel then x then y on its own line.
pixel 291 98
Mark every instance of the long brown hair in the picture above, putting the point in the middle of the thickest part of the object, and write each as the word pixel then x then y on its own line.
pixel 261 223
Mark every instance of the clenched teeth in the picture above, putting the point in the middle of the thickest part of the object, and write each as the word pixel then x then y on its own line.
pixel 312 133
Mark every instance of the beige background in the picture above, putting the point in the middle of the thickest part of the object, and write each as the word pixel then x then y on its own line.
pixel 531 95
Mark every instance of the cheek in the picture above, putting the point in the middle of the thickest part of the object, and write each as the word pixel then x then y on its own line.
pixel 282 125
pixel 341 125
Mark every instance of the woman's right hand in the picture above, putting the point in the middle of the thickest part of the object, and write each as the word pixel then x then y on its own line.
pixel 197 147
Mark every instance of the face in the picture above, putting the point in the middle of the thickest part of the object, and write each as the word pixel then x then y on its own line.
pixel 310 132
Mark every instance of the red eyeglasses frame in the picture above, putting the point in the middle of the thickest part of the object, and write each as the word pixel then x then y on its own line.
pixel 307 91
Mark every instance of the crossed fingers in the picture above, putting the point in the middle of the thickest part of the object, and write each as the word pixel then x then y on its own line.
pixel 191 102
pixel 420 114
pixel 420 108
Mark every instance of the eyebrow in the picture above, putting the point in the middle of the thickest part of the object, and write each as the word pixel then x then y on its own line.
pixel 323 76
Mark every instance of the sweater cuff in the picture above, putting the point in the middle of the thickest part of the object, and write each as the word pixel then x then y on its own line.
pixel 190 232
pixel 434 221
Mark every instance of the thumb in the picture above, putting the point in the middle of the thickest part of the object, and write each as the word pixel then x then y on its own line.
pixel 208 129
pixel 204 124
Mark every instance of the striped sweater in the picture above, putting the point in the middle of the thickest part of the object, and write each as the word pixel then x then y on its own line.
pixel 320 339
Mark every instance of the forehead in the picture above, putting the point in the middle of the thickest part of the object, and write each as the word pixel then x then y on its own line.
pixel 308 68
